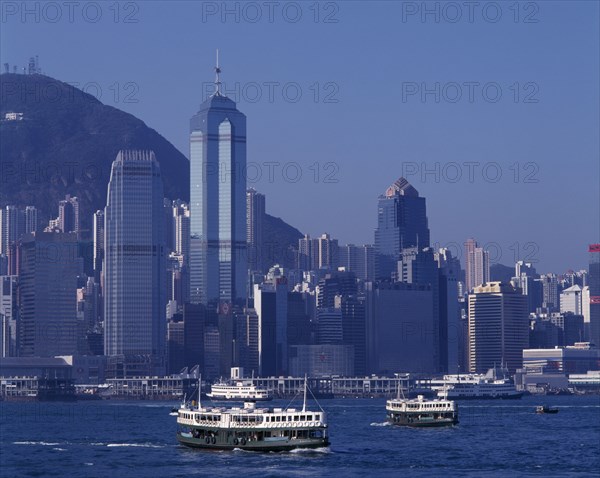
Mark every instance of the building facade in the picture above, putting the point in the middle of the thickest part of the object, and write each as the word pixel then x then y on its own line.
pixel 218 260
pixel 255 214
pixel 498 327
pixel 48 270
pixel 401 223
pixel 477 270
pixel 134 262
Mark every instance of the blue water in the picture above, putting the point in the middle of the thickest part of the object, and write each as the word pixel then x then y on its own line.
pixel 137 439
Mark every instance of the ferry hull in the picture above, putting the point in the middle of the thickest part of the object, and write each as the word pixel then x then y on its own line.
pixel 258 446
pixel 414 422
pixel 426 424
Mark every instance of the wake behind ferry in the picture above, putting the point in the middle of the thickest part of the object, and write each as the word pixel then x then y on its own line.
pixel 251 428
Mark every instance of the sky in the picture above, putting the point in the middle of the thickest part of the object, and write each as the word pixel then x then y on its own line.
pixel 491 110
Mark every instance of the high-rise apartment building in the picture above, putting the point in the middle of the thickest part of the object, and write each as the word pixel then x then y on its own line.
pixel 31 219
pixel 477 270
pixel 68 214
pixel 12 227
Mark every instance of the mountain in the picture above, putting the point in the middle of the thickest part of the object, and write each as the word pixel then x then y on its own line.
pixel 281 242
pixel 66 143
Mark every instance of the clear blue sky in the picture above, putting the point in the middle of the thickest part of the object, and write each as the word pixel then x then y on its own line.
pixel 375 61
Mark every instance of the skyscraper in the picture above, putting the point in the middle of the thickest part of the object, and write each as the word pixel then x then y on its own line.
pixel 401 223
pixel 68 214
pixel 134 263
pixel 571 300
pixel 308 254
pixel 450 331
pixel 526 278
pixel 48 269
pixel 255 213
pixel 31 219
pixel 358 259
pixel 181 230
pixel 420 267
pixel 218 262
pixel 400 327
pixel 550 292
pixel 478 265
pixel 12 227
pixel 594 284
pixel 8 316
pixel 98 243
pixel 498 327
pixel 270 304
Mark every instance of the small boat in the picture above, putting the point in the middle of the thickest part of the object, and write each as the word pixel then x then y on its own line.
pixel 251 428
pixel 545 409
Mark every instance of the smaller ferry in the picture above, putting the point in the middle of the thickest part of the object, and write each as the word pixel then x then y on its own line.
pixel 238 391
pixel 420 412
pixel 495 384
pixel 251 428
pixel 545 409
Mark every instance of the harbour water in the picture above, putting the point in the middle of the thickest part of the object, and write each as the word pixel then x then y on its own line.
pixel 131 439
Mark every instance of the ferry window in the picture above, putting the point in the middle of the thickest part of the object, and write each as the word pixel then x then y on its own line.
pixel 278 419
pixel 302 417
pixel 296 418
pixel 309 418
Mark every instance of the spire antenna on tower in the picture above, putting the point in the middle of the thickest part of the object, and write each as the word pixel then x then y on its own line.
pixel 217 78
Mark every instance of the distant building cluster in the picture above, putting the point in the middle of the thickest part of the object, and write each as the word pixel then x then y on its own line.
pixel 160 286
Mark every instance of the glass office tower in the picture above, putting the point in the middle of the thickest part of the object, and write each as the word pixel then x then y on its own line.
pixel 134 262
pixel 218 258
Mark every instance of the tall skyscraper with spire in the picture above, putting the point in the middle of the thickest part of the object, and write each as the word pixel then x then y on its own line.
pixel 401 223
pixel 134 266
pixel 218 257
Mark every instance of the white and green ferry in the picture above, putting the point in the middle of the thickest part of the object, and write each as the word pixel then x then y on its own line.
pixel 251 428
pixel 420 412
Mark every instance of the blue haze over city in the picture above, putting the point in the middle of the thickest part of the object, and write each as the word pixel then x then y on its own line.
pixel 369 132
pixel 356 237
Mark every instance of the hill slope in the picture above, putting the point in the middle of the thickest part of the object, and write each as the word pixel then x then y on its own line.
pixel 66 144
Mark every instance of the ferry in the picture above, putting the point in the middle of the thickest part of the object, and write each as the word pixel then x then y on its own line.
pixel 495 384
pixel 251 428
pixel 238 391
pixel 420 412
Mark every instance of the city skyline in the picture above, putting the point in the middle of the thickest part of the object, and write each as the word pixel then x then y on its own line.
pixel 260 228
pixel 435 137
